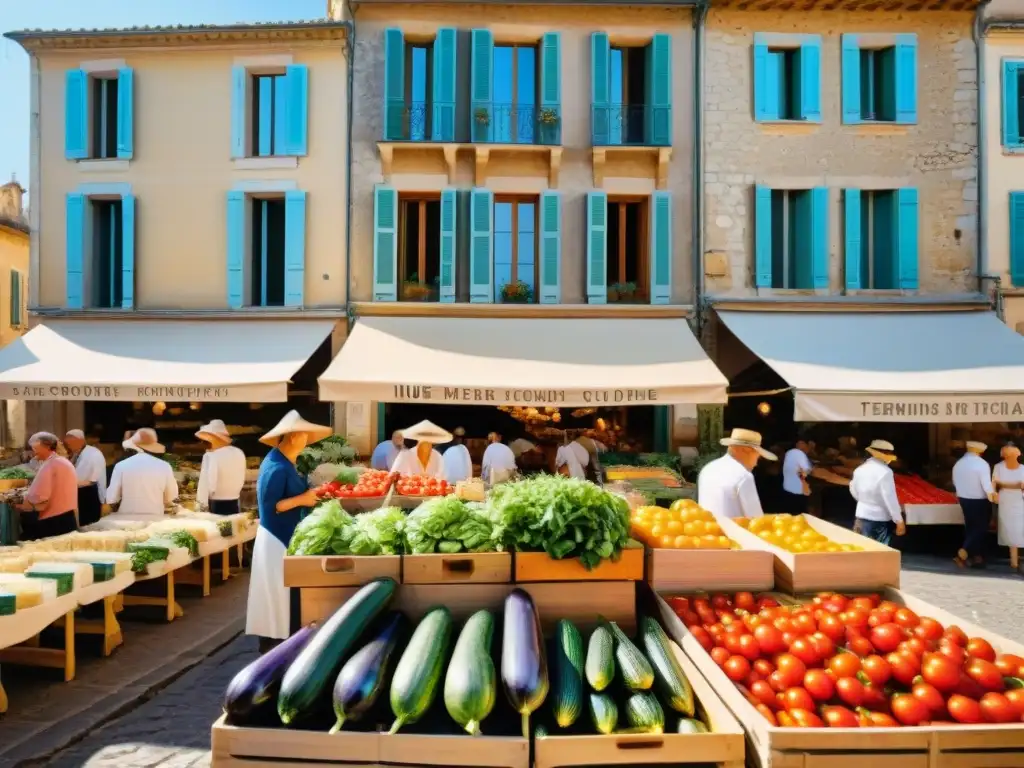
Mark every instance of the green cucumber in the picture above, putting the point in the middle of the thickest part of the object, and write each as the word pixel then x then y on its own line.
pixel 644 711
pixel 669 679
pixel 470 687
pixel 689 725
pixel 568 677
pixel 600 665
pixel 636 669
pixel 603 712
pixel 418 673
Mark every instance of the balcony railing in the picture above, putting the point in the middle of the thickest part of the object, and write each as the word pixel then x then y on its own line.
pixel 419 121
pixel 515 124
pixel 631 125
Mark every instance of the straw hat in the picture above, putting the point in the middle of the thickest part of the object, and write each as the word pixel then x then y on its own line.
pixel 144 440
pixel 976 447
pixel 882 450
pixel 214 432
pixel 292 422
pixel 427 432
pixel 746 438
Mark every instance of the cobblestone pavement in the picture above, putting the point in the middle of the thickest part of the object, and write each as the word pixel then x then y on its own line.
pixel 172 730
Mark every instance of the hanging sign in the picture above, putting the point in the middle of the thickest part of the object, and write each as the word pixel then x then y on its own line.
pixel 922 409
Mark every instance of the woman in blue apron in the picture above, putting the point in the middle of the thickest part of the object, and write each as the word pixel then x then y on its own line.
pixel 283 498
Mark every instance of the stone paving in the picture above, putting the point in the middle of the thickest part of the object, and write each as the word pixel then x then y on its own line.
pixel 172 730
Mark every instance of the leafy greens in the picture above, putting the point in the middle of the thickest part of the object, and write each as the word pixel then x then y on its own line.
pixel 449 525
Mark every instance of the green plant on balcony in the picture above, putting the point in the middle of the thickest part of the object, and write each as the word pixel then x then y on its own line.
pixel 516 292
pixel 482 116
pixel 548 116
pixel 621 292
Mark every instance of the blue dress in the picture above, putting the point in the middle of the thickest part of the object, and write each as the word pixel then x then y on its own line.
pixel 279 479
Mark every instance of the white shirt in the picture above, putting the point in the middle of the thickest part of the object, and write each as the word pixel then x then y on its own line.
pixel 725 487
pixel 384 456
pixel 408 463
pixel 144 484
pixel 497 457
pixel 972 477
pixel 874 488
pixel 222 475
pixel 793 464
pixel 566 457
pixel 582 454
pixel 457 464
pixel 91 467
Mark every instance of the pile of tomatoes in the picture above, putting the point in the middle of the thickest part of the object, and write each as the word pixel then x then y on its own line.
pixel 372 484
pixel 421 485
pixel 911 489
pixel 848 662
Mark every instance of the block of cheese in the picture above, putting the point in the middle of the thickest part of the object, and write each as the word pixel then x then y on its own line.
pixel 15 563
pixel 69 576
pixel 110 563
pixel 30 592
pixel 8 603
pixel 201 530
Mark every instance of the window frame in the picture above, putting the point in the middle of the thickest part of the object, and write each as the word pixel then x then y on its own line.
pixel 413 42
pixel 116 277
pixel 422 199
pixel 904 78
pixel 17 309
pixel 807 60
pixel 250 260
pixel 643 269
pixel 515 107
pixel 515 200
pixel 101 132
pixel 1012 128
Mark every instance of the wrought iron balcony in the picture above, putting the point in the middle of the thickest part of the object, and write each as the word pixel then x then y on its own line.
pixel 515 124
pixel 631 125
pixel 419 121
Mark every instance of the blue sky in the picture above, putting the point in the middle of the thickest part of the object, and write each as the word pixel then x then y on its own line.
pixel 65 14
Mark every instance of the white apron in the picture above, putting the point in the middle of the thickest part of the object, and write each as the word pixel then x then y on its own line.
pixel 1011 506
pixel 268 613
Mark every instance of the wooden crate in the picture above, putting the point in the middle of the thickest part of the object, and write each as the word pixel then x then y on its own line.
pixel 233 747
pixel 463 568
pixel 714 570
pixel 339 571
pixel 877 566
pixel 723 747
pixel 961 746
pixel 539 566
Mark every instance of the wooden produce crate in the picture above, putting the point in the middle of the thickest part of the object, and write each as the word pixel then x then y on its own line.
pixel 539 566
pixel 339 570
pixel 462 568
pixel 959 746
pixel 234 747
pixel 723 747
pixel 713 570
pixel 877 566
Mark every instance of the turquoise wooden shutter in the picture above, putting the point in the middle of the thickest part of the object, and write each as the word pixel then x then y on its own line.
pixel 819 237
pixel 294 247
pixel 906 79
pixel 810 79
pixel 550 247
pixel 481 245
pixel 766 81
pixel 481 69
pixel 658 120
pixel 238 116
pixel 600 89
pixel 1011 104
pixel 127 251
pixel 762 237
pixel 74 244
pixel 394 85
pixel 551 85
pixel 296 110
pixel 76 115
pixel 449 231
pixel 852 240
pixel 851 80
pixel 15 297
pixel 1017 239
pixel 906 237
pixel 236 249
pixel 125 113
pixel 597 247
pixel 442 127
pixel 661 248
pixel 385 243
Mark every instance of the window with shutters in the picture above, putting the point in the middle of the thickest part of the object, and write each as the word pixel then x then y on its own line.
pixel 265 121
pixel 631 92
pixel 419 65
pixel 419 248
pixel 1017 239
pixel 787 78
pixel 516 265
pixel 628 249
pixel 267 259
pixel 269 111
pixel 107 253
pixel 878 85
pixel 514 113
pixel 103 130
pixel 790 238
pixel 878 243
pixel 1013 104
pixel 881 235
pixel 98 113
pixel 17 299
pixel 879 78
pixel 419 85
pixel 628 89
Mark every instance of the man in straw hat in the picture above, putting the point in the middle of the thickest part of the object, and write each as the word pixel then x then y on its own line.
pixel 972 479
pixel 873 486
pixel 283 497
pixel 222 474
pixel 143 484
pixel 422 458
pixel 726 485
pixel 91 468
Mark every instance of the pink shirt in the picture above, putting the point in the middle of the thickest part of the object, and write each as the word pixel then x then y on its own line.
pixel 55 487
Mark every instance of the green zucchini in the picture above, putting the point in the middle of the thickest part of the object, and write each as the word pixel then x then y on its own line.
pixel 600 667
pixel 470 687
pixel 690 725
pixel 568 678
pixel 418 673
pixel 603 712
pixel 669 679
pixel 644 711
pixel 316 667
pixel 636 669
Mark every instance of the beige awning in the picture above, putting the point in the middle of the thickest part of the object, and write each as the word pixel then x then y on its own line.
pixel 204 361
pixel 926 367
pixel 523 361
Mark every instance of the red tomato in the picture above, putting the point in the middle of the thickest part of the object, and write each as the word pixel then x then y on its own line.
pixel 904 667
pixel 914 645
pixel 701 636
pixel 778 681
pixel 996 708
pixel 745 600
pixel 981 649
pixel 832 627
pixel 880 616
pixel 855 618
pixel 876 670
pixel 823 645
pixel 1016 698
pixel 819 685
pixel 909 710
pixel 985 674
pixel 906 618
pixel 1009 664
pixel 790 668
pixel 763 667
pixel 767 714
pixel 749 648
pixel 769 638
pixel 874 698
pixel 785 719
pixel 764 694
pixel 860 646
pixel 839 717
pixel 952 651
pixel 804 623
pixel 861 603
pixel 968 687
pixel 964 710
pixel 929 695
pixel 805 718
pixel 720 601
pixel 877 720
pixel 844 665
pixel 850 691
pixel 804 650
pixel 797 698
pixel 736 668
pixel 720 655
pixel 928 630
pixel 957 635
pixel 886 637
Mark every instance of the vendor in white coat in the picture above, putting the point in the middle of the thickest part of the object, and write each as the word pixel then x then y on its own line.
pixel 458 465
pixel 422 458
pixel 283 498
pixel 222 474
pixel 972 480
pixel 726 485
pixel 498 462
pixel 91 468
pixel 873 487
pixel 143 485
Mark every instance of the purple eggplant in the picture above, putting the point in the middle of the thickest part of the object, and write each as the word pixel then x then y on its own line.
pixel 524 668
pixel 259 682
pixel 362 678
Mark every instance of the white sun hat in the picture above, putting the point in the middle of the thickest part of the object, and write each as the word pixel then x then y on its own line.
pixel 292 422
pixel 215 431
pixel 975 446
pixel 747 438
pixel 144 439
pixel 427 432
pixel 882 450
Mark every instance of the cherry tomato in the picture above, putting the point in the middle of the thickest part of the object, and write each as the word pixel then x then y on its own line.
pixel 749 648
pixel 985 674
pixel 720 655
pixel 823 646
pixel 839 717
pixel 886 637
pixel 904 667
pixel 876 670
pixel 745 601
pixel 980 648
pixel 861 603
pixel 996 708
pixel 833 628
pixel 764 694
pixel 804 650
pixel 797 698
pixel 778 681
pixel 785 719
pixel 880 616
pixel 763 667
pixel 720 601
pixel 805 718
pixel 963 709
pixel 819 685
pixel 769 638
pixel 860 646
pixel 928 629
pixel 957 635
pixel 844 665
pixel 909 710
pixel 701 636
pixel 732 642
pixel 791 668
pixel 969 688
pixel 767 714
pixel 875 699
pixel 1016 698
pixel 850 691
pixel 929 695
pixel 914 645
pixel 941 671
pixel 906 618
pixel 952 651
pixel 805 624
pixel 737 668
pixel 1009 664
